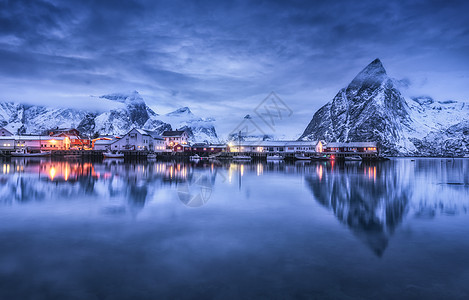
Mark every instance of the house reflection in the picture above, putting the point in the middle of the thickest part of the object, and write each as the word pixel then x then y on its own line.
pixel 371 199
pixel 130 184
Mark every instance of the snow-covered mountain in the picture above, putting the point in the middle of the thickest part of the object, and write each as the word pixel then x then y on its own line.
pixel 199 129
pixel 20 118
pixel 246 131
pixel 371 108
pixel 131 112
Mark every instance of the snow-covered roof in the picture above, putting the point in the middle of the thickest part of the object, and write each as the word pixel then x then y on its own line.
pixel 275 143
pixel 6 130
pixel 104 142
pixel 32 138
pixel 352 144
pixel 202 145
pixel 149 133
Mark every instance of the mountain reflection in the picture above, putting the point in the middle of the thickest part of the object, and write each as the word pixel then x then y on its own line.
pixel 371 199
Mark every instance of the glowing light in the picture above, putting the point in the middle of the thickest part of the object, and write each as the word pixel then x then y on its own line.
pixel 52 173
pixel 242 170
pixel 230 173
pixel 260 169
pixel 319 171
pixel 66 172
pixel 319 148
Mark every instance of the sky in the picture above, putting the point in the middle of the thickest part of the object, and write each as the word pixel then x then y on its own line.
pixel 222 58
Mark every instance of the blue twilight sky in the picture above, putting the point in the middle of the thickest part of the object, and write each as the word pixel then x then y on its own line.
pixel 221 58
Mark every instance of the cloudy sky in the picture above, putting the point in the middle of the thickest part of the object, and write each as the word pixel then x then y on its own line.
pixel 221 58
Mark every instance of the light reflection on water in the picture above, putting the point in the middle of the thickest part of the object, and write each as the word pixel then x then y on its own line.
pixel 89 230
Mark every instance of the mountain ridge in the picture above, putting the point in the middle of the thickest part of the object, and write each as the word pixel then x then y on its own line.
pixel 372 108
pixel 36 119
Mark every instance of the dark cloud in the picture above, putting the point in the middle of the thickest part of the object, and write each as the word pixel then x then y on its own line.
pixel 223 54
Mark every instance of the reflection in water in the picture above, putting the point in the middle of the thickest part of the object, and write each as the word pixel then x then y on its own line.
pixel 371 199
pixel 27 180
pixel 273 228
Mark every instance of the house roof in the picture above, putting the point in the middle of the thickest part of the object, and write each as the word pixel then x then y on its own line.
pixel 352 144
pixel 203 145
pixel 275 143
pixel 31 138
pixel 153 134
pixel 64 129
pixel 173 133
pixel 4 129
pixel 182 145
pixel 104 142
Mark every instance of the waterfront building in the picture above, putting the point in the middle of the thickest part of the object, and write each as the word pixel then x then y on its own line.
pixel 139 140
pixel 34 142
pixel 277 146
pixel 5 132
pixel 364 149
pixel 174 137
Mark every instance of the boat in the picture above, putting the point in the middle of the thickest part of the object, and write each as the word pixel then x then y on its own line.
pixel 23 153
pixel 274 157
pixel 302 157
pixel 151 156
pixel 242 157
pixel 113 155
pixel 194 157
pixel 353 158
pixel 324 157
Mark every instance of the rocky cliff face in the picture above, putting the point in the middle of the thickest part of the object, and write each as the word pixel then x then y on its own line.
pixel 371 108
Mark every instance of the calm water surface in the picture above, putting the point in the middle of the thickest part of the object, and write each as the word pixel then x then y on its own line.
pixel 154 230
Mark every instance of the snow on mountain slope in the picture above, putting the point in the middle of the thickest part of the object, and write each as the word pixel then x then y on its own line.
pixel 199 129
pixel 132 112
pixel 20 118
pixel 371 108
pixel 11 115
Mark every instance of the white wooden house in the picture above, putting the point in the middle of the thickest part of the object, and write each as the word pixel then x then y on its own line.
pixel 5 132
pixel 175 137
pixel 139 140
pixel 7 142
pixel 103 144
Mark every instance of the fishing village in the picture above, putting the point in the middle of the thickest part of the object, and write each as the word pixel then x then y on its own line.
pixel 144 144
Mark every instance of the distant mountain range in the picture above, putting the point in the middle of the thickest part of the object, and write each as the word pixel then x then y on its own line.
pixel 22 119
pixel 371 108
